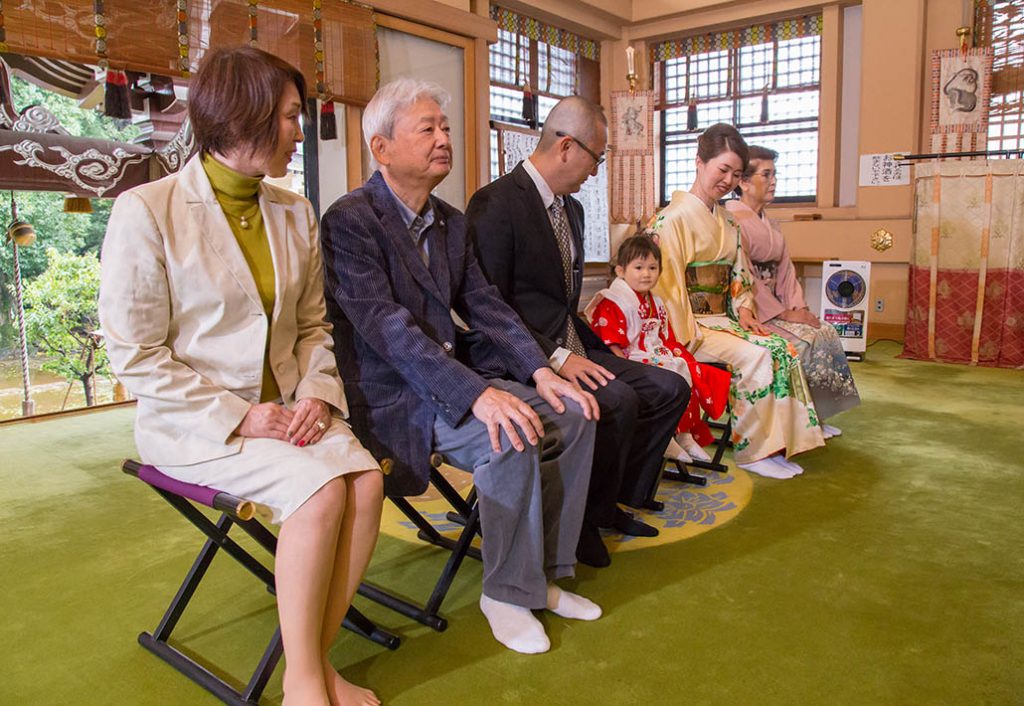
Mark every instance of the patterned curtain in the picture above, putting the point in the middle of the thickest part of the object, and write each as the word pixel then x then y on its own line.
pixel 966 290
pixel 555 36
pixel 793 28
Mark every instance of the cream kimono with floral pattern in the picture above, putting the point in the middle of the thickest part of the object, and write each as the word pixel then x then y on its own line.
pixel 771 407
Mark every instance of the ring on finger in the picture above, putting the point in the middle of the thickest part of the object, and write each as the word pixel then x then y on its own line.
pixel 321 425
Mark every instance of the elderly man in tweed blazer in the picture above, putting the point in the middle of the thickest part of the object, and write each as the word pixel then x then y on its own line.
pixel 398 269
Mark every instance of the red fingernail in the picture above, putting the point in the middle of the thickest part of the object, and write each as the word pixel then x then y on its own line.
pixel 302 442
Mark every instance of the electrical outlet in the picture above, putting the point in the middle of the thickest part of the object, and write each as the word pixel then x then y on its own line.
pixel 880 304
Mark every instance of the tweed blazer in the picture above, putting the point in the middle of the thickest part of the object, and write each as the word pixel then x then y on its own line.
pixel 404 359
pixel 515 242
pixel 183 322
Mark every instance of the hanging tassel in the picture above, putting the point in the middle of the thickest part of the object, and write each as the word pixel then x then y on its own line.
pixel 764 106
pixel 328 125
pixel 117 100
pixel 3 46
pixel 529 107
pixel 77 204
pixel 691 116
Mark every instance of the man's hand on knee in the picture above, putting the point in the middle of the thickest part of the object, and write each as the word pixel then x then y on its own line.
pixel 584 371
pixel 553 388
pixel 501 410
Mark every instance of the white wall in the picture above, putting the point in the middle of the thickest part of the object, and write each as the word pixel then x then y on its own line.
pixel 849 121
pixel 405 55
pixel 333 169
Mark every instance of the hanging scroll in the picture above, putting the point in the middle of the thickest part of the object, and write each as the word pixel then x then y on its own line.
pixel 961 86
pixel 632 156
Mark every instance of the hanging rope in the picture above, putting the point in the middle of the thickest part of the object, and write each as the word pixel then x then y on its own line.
pixel 183 63
pixel 116 98
pixel 328 125
pixel 21 321
pixel 253 10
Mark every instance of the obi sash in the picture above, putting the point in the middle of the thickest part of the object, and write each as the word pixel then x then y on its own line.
pixel 707 287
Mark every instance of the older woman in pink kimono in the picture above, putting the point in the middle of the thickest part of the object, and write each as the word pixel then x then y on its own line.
pixel 779 299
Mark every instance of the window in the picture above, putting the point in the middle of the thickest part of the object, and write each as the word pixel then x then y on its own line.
pixel 553 62
pixel 1000 25
pixel 510 70
pixel 765 80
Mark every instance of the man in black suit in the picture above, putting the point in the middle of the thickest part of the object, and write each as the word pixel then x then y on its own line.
pixel 528 234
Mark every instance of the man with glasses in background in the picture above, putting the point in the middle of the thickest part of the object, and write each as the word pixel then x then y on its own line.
pixel 528 234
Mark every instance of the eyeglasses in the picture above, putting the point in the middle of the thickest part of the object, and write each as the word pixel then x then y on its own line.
pixel 598 158
pixel 768 175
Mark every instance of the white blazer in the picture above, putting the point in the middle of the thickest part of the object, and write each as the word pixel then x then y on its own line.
pixel 184 326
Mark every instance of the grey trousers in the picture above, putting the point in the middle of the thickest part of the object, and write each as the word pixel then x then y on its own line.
pixel 531 502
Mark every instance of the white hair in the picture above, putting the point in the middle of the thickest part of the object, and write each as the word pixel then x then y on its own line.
pixel 392 98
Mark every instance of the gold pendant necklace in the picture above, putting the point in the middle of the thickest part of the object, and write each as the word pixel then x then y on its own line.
pixel 245 219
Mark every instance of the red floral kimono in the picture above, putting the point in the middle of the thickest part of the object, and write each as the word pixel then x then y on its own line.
pixel 638 324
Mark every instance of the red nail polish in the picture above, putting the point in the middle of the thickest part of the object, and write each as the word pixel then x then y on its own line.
pixel 302 442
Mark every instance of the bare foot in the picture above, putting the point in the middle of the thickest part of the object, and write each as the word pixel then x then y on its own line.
pixel 345 693
pixel 304 693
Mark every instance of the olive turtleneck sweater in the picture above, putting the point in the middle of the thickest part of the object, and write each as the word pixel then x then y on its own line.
pixel 238 196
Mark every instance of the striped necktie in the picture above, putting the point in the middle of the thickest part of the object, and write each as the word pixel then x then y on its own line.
pixel 563 236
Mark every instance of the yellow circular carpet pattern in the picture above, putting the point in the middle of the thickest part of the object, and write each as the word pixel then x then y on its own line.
pixel 689 510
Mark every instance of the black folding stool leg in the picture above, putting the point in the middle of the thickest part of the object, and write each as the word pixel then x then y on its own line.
pixel 354 620
pixel 157 641
pixel 217 538
pixel 466 513
pixel 723 441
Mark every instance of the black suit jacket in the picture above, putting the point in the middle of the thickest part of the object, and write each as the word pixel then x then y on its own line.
pixel 516 246
pixel 403 361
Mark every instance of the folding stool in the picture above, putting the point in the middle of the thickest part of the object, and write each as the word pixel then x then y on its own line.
pixel 465 512
pixel 723 441
pixel 674 469
pixel 234 511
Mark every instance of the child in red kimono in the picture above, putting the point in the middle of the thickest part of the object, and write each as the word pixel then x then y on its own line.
pixel 634 324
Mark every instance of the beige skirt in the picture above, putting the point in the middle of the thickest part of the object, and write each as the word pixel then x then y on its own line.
pixel 278 475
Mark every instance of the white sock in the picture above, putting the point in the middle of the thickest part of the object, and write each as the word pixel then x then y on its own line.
pixel 675 451
pixel 514 626
pixel 571 605
pixel 691 447
pixel 796 468
pixel 768 468
pixel 828 431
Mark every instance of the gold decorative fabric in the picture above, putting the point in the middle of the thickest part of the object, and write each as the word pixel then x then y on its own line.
pixel 707 286
pixel 966 294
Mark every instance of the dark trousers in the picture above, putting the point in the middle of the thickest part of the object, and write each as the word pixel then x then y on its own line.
pixel 640 410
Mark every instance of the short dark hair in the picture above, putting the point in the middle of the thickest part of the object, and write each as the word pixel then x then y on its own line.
pixel 757 153
pixel 637 247
pixel 233 99
pixel 719 138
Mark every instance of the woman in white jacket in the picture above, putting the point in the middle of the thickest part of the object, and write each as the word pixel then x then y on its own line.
pixel 212 307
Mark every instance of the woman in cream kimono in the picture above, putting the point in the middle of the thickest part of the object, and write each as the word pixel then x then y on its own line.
pixel 779 298
pixel 707 287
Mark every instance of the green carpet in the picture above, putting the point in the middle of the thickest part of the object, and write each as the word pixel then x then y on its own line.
pixel 891 572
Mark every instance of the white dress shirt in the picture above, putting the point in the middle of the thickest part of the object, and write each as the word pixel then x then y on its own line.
pixel 557 359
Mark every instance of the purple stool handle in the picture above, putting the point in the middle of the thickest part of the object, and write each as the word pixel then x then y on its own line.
pixel 211 497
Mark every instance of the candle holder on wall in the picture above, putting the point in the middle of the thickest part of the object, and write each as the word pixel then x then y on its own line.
pixel 631 76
